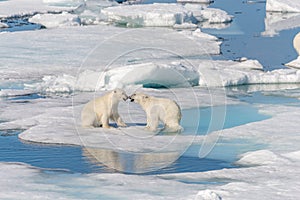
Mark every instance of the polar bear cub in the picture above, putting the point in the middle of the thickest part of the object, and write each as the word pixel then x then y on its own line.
pixel 159 109
pixel 98 111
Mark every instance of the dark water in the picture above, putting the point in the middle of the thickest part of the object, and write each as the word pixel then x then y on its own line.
pixel 243 38
pixel 19 24
pixel 71 158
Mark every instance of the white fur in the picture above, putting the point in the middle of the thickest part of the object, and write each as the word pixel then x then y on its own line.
pixel 159 109
pixel 98 111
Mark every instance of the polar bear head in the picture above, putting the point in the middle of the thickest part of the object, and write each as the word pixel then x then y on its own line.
pixel 119 94
pixel 139 98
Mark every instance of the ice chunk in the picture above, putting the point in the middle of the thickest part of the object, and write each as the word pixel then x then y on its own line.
pixel 207 195
pixel 229 73
pixel 148 15
pixel 294 63
pixel 24 7
pixel 208 15
pixel 262 157
pixel 64 2
pixel 195 1
pixel 214 15
pixel 147 75
pixel 56 20
pixel 283 6
pixel 3 25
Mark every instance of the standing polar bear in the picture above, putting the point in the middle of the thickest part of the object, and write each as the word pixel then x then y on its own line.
pixel 159 109
pixel 98 111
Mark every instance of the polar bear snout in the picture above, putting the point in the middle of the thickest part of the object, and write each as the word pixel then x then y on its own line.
pixel 131 97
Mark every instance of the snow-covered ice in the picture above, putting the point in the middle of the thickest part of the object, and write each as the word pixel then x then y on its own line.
pixel 164 15
pixel 3 25
pixel 230 73
pixel 56 20
pixel 25 7
pixel 276 22
pixel 41 184
pixel 195 1
pixel 283 6
pixel 64 61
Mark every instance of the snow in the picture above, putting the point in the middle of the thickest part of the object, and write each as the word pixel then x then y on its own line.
pixel 42 184
pixel 25 7
pixel 148 15
pixel 64 61
pixel 3 25
pixel 163 15
pixel 195 1
pixel 55 20
pixel 231 73
pixel 146 74
pixel 68 47
pixel 283 6
pixel 207 195
pixel 64 2
pixel 276 22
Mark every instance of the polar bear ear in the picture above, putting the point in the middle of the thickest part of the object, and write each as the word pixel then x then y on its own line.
pixel 115 91
pixel 145 97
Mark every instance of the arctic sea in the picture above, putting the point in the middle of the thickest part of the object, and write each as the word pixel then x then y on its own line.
pixel 251 150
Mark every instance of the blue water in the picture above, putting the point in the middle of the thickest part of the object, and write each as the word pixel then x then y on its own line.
pixel 243 37
pixel 74 159
pixel 19 24
pixel 235 115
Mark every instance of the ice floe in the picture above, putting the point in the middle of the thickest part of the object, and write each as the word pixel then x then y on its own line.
pixel 276 22
pixel 56 20
pixel 46 184
pixel 229 73
pixel 25 7
pixel 146 75
pixel 3 25
pixel 195 1
pixel 282 6
pixel 166 15
pixel 253 182
pixel 68 48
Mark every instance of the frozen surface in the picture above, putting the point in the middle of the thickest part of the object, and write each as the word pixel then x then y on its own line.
pixel 283 5
pixel 194 1
pixel 257 182
pixel 276 22
pixel 68 48
pixel 55 60
pixel 164 15
pixel 56 20
pixel 23 7
pixel 229 73
pixel 41 184
pixel 143 75
pixel 3 25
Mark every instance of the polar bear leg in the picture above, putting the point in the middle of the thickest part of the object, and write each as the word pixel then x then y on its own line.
pixel 152 122
pixel 116 117
pixel 105 121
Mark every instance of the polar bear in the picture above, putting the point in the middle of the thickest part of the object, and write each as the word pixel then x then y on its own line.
pixel 159 109
pixel 98 111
